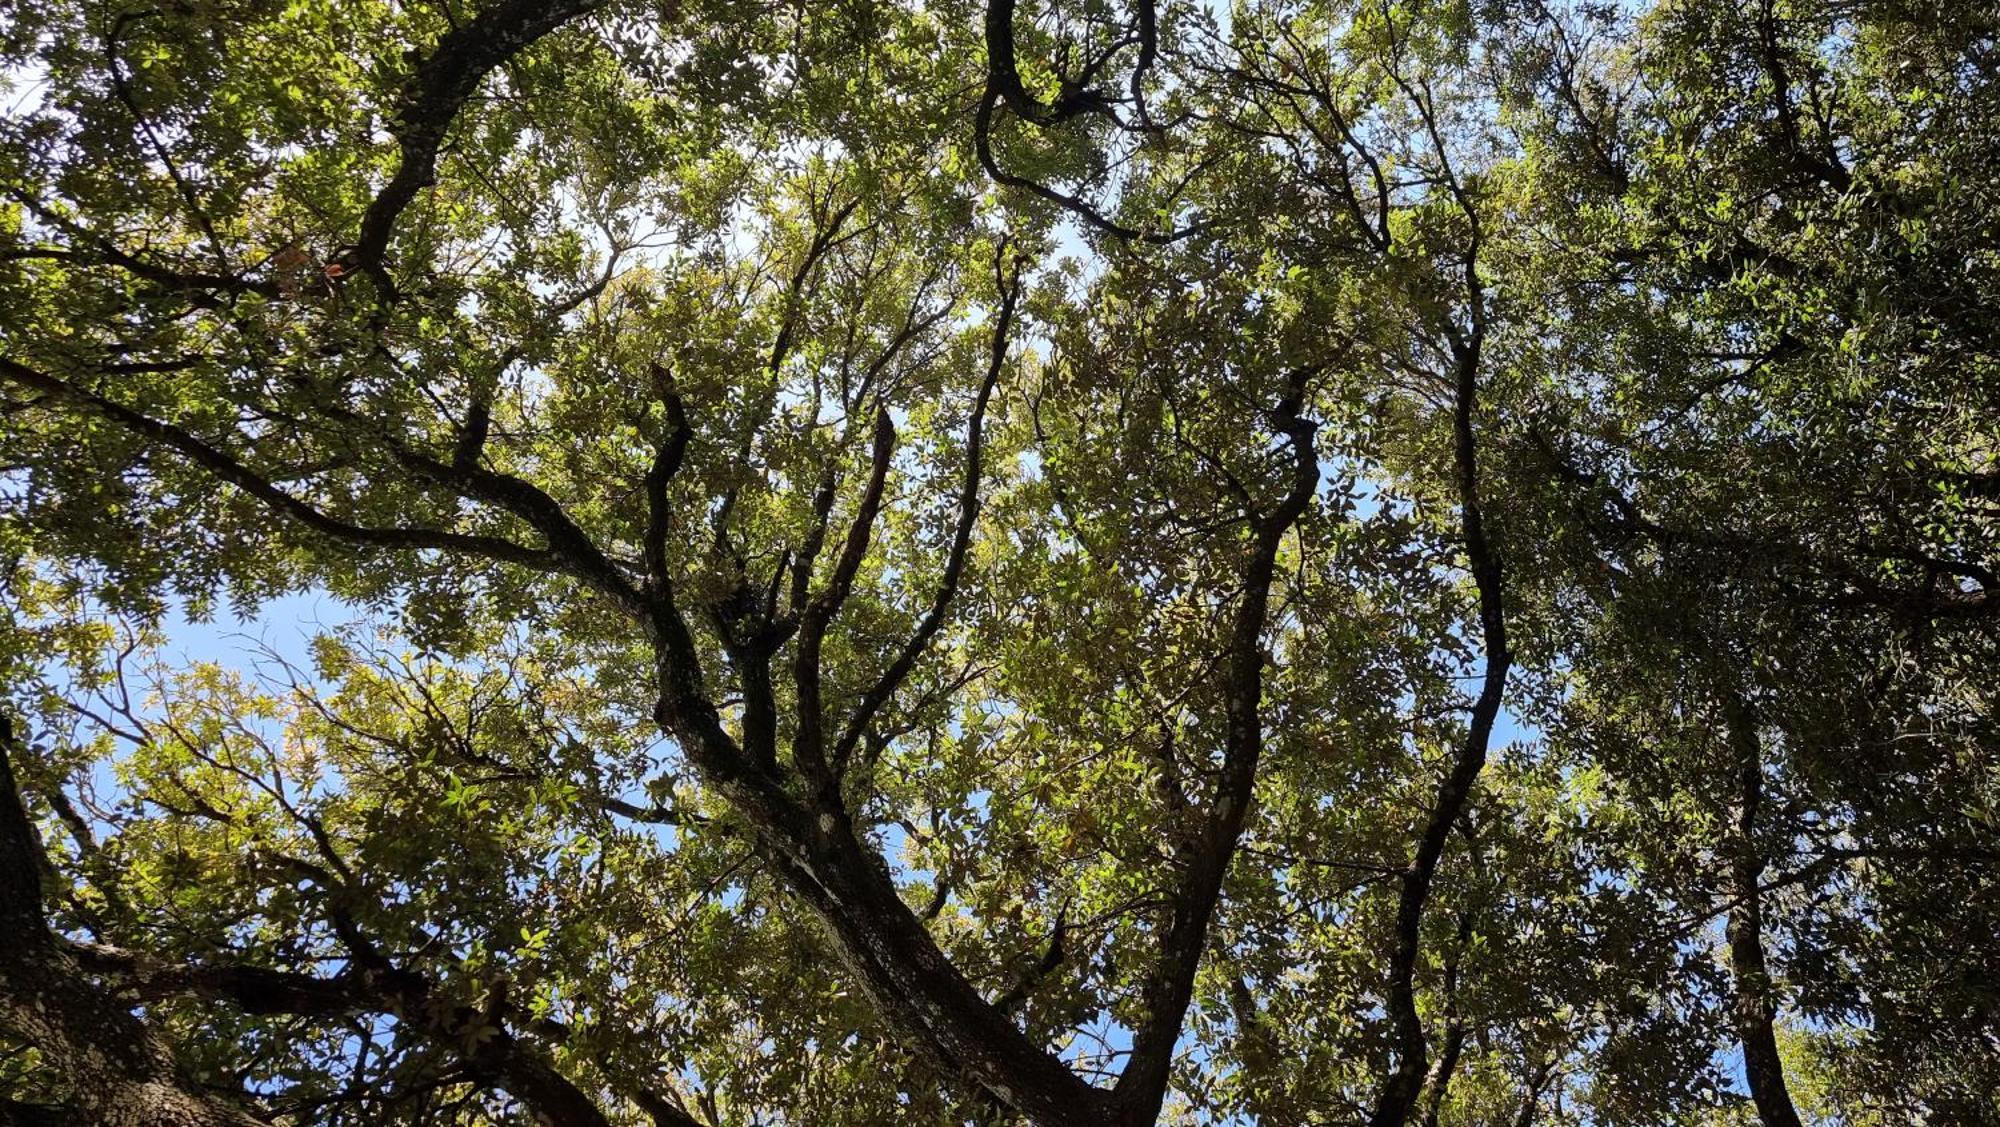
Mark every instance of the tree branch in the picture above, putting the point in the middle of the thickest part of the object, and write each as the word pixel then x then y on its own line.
pixel 227 468
pixel 118 1068
pixel 808 742
pixel 1399 1092
pixel 431 99
pixel 892 678
pixel 1752 1003
pixel 1170 987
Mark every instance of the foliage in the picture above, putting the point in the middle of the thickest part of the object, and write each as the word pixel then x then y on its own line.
pixel 1289 562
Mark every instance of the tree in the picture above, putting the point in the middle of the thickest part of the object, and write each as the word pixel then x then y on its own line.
pixel 1298 563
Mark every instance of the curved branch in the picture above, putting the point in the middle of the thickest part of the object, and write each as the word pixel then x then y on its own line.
pixel 227 468
pixel 808 744
pixel 668 456
pixel 1077 98
pixel 982 142
pixel 1400 1090
pixel 432 97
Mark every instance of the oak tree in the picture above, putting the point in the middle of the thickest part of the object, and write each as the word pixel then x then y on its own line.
pixel 1089 563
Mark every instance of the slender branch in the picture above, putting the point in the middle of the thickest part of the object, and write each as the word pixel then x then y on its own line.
pixel 198 287
pixel 892 678
pixel 1400 1090
pixel 808 743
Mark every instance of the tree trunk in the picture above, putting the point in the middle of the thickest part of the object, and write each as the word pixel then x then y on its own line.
pixel 121 1074
pixel 1753 1004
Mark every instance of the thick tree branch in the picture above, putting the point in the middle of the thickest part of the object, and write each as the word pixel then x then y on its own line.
pixel 251 989
pixel 490 1053
pixel 1169 989
pixel 663 1111
pixel 668 456
pixel 1077 98
pixel 430 101
pixel 119 1070
pixel 815 849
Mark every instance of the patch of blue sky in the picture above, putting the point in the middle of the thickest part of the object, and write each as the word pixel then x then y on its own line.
pixel 284 626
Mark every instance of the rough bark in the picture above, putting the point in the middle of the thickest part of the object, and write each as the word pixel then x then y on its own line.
pixel 1143 1084
pixel 812 845
pixel 118 1071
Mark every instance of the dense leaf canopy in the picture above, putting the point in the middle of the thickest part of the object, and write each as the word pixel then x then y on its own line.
pixel 1104 562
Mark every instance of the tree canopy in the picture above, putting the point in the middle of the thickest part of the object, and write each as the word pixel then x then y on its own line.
pixel 1086 563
